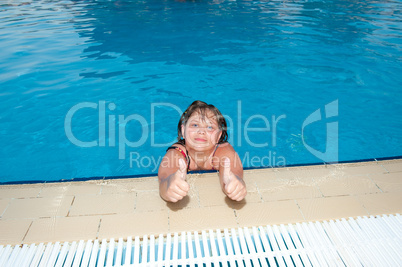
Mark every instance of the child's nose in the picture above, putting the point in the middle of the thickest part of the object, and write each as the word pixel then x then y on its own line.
pixel 201 130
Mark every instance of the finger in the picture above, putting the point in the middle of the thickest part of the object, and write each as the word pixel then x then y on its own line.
pixel 172 199
pixel 177 196
pixel 180 190
pixel 238 196
pixel 184 186
pixel 234 194
pixel 231 187
pixel 226 170
pixel 182 169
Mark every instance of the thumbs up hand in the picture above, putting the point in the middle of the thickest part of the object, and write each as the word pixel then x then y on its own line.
pixel 233 186
pixel 182 171
pixel 177 187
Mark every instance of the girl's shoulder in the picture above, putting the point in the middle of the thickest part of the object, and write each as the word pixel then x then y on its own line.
pixel 224 149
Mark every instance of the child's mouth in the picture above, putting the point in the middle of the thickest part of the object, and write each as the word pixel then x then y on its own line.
pixel 200 140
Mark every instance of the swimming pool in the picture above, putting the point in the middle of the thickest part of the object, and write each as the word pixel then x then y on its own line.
pixel 95 88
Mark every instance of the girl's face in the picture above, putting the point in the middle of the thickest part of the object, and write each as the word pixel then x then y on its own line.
pixel 201 133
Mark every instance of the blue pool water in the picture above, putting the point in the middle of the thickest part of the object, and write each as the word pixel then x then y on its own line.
pixel 95 88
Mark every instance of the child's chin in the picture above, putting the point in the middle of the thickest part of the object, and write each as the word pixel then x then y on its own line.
pixel 202 146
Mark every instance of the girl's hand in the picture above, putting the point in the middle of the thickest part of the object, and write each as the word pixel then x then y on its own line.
pixel 176 187
pixel 233 186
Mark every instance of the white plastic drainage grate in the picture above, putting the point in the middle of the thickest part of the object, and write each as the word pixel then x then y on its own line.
pixel 374 241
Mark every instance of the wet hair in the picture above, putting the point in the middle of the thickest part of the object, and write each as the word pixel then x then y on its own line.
pixel 202 108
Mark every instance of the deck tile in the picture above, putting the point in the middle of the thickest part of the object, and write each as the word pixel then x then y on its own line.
pixel 351 169
pixel 284 189
pixel 388 182
pixel 204 180
pixel 393 166
pixel 212 196
pixel 137 224
pixel 347 185
pixel 383 203
pixel 38 207
pixel 259 181
pixel 306 172
pixel 12 232
pixel 118 187
pixel 205 218
pixel 276 212
pixel 129 185
pixel 71 189
pixel 318 209
pixel 63 229
pixel 103 204
pixel 20 191
pixel 251 197
pixel 149 201
pixel 3 205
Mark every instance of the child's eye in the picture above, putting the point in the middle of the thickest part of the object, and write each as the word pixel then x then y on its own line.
pixel 210 128
pixel 194 125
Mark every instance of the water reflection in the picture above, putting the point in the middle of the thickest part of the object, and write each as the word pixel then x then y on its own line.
pixel 203 32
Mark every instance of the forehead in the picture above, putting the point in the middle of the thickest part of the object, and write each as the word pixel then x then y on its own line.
pixel 209 117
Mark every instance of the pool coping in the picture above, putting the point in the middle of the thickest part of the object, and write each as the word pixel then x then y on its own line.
pixel 118 208
pixel 82 179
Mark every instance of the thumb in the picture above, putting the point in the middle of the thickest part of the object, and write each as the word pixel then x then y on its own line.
pixel 182 168
pixel 226 170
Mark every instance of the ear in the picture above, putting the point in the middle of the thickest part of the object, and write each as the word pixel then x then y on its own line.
pixel 182 130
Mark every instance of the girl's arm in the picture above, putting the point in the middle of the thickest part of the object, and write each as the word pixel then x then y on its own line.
pixel 231 173
pixel 172 176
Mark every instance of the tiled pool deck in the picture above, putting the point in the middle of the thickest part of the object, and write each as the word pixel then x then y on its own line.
pixel 72 211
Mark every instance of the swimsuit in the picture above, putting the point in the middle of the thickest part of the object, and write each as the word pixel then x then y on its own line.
pixel 185 154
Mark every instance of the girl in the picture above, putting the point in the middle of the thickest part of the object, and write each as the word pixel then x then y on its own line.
pixel 202 145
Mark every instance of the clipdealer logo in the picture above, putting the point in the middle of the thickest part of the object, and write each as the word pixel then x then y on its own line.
pixel 331 153
pixel 107 131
